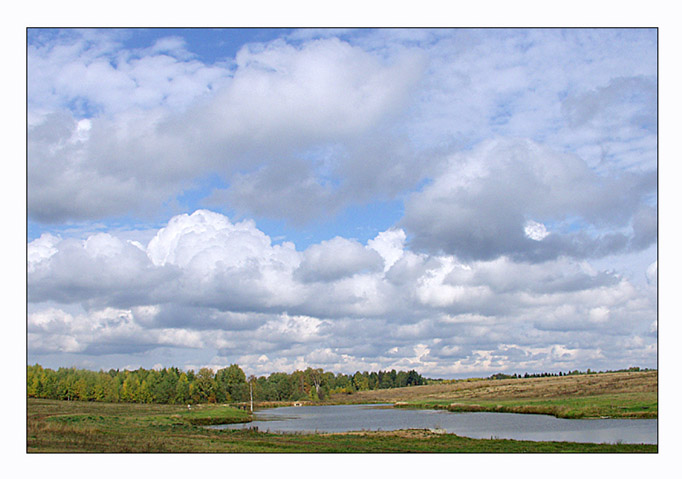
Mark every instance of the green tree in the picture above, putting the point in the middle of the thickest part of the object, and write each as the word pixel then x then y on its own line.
pixel 151 381
pixel 66 384
pixel 205 386
pixel 144 394
pixel 105 388
pixel 34 376
pixel 81 387
pixel 232 381
pixel 130 390
pixel 361 381
pixel 314 377
pixel 300 388
pixel 182 392
pixel 401 379
pixel 343 384
pixel 386 381
pixel 373 380
pixel 48 384
pixel 282 385
pixel 414 378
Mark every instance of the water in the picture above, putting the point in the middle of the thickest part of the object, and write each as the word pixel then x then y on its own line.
pixel 479 425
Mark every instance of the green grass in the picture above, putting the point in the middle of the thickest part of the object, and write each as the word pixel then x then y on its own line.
pixel 204 415
pixel 71 426
pixel 622 406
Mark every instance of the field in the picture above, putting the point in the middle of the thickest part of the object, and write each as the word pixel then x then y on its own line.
pixel 616 395
pixel 72 426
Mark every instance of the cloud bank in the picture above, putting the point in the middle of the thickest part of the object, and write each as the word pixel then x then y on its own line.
pixel 206 283
pixel 301 128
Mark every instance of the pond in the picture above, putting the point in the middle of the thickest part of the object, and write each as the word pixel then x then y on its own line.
pixel 478 425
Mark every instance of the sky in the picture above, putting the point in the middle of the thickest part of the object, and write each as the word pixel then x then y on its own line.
pixel 461 202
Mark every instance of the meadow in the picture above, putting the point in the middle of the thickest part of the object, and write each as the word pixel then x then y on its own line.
pixel 631 395
pixel 81 426
pixel 74 426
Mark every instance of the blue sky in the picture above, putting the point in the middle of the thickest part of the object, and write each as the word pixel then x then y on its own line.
pixel 457 201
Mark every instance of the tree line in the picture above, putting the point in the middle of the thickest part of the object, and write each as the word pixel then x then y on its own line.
pixel 230 384
pixel 567 373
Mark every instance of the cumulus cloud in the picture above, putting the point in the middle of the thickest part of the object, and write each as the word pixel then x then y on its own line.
pixel 483 206
pixel 208 284
pixel 99 270
pixel 226 265
pixel 652 273
pixel 390 245
pixel 101 331
pixel 380 104
pixel 40 249
pixel 159 120
pixel 206 240
pixel 285 189
pixel 535 231
pixel 336 259
pixel 91 71
pixel 322 88
pixel 525 161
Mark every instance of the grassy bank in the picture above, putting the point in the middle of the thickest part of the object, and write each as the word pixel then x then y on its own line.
pixel 615 395
pixel 622 406
pixel 204 415
pixel 72 426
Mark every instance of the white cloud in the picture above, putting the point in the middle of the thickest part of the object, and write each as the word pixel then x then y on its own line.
pixel 434 290
pixel 337 258
pixel 535 231
pixel 323 83
pixel 521 83
pixel 385 103
pixel 157 122
pixel 525 160
pixel 287 328
pixel 205 240
pixel 390 245
pixel 208 285
pixel 599 314
pixel 50 319
pixel 477 206
pixel 180 337
pixel 652 273
pixel 90 69
pixel 41 249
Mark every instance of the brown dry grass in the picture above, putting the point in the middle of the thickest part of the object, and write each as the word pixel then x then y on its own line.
pixel 512 389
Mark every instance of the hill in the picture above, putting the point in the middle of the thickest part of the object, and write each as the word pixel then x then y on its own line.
pixel 617 394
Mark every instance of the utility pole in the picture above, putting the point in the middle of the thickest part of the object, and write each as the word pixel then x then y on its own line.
pixel 251 393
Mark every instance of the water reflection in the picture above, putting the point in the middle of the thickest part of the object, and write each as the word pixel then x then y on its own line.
pixel 479 425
